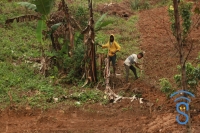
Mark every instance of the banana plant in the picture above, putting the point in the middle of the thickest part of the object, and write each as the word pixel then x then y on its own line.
pixel 26 17
pixel 100 23
pixel 28 5
pixel 44 7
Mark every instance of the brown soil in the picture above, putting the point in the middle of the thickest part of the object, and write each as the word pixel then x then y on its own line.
pixel 125 116
pixel 123 9
pixel 161 57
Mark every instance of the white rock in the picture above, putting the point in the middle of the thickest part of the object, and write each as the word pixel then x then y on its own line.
pixel 141 100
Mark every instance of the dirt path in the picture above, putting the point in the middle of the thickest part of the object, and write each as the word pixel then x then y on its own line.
pixel 123 117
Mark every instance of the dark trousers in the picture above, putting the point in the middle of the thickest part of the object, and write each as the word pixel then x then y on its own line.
pixel 127 71
pixel 113 59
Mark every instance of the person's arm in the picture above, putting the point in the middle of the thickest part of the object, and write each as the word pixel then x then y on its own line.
pixel 105 45
pixel 137 65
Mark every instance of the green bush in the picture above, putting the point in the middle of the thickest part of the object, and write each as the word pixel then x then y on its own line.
pixel 140 4
pixel 80 13
pixel 193 77
pixel 74 65
pixel 166 86
pixel 185 14
pixel 71 66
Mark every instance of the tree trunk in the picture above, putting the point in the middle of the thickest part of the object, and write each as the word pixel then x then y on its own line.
pixel 69 28
pixel 90 66
pixel 93 53
pixel 182 58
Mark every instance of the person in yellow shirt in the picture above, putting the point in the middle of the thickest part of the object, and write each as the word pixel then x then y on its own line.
pixel 113 48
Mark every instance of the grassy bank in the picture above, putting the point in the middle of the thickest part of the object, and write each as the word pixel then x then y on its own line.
pixel 21 82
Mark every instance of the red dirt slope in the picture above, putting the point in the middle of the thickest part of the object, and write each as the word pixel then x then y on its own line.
pixel 161 58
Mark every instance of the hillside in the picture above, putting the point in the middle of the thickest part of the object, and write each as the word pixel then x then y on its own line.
pixel 28 97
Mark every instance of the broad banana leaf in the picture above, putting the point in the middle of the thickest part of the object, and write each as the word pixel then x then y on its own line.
pixel 55 26
pixel 104 24
pixel 44 6
pixel 40 27
pixel 28 5
pixel 100 23
pixel 53 29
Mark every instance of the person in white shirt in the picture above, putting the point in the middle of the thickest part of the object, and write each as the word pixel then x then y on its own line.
pixel 128 63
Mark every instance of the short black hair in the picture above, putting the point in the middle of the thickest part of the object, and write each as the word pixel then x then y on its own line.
pixel 141 53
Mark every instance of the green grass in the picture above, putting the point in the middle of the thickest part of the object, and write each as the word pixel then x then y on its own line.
pixel 21 81
pixel 19 41
pixel 25 86
pixel 20 78
pixel 140 4
pixel 163 3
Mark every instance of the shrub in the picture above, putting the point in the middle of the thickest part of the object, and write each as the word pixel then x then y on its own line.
pixel 140 4
pixel 185 14
pixel 166 86
pixel 193 77
pixel 74 65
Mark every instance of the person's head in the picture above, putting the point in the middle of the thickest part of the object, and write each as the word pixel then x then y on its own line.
pixel 140 55
pixel 111 38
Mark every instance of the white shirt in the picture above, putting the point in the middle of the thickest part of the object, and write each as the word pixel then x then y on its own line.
pixel 131 60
